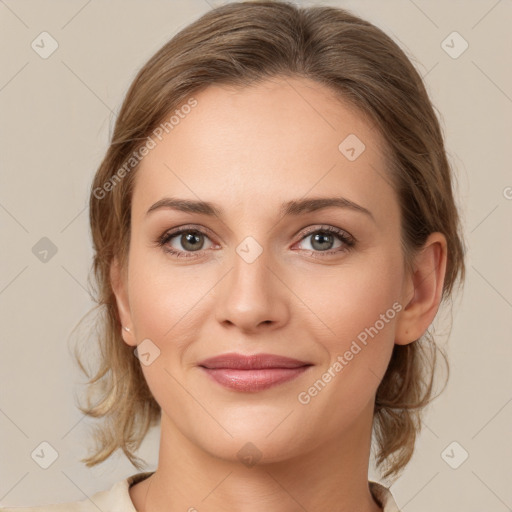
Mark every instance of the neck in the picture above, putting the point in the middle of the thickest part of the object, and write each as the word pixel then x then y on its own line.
pixel 331 475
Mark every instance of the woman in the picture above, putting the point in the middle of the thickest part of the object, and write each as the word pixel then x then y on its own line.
pixel 274 231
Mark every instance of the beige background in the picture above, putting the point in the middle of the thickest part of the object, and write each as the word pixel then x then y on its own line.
pixel 57 114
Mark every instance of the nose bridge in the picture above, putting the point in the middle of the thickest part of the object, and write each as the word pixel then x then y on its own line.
pixel 251 265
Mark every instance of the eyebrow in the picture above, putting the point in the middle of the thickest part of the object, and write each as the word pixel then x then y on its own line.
pixel 294 207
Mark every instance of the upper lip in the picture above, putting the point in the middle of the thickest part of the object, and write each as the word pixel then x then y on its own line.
pixel 251 362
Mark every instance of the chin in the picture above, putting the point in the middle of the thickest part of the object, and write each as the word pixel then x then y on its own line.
pixel 256 443
pixel 252 451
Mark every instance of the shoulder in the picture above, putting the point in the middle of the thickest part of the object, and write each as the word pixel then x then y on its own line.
pixel 115 499
pixel 384 497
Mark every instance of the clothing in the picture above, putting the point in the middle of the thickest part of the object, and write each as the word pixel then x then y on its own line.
pixel 117 499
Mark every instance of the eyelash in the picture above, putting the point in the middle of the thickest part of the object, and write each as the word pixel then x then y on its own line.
pixel 348 240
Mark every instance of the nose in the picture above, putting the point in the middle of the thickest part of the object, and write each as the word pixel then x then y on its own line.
pixel 252 296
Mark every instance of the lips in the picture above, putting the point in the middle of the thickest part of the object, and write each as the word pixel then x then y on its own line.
pixel 254 372
pixel 252 362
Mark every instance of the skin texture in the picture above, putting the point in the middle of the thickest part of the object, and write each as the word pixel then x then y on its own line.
pixel 248 150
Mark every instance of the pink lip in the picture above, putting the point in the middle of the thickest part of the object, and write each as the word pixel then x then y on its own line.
pixel 252 373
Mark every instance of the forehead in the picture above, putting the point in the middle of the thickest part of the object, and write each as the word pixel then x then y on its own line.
pixel 279 139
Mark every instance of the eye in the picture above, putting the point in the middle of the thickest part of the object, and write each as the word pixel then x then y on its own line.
pixel 191 240
pixel 323 241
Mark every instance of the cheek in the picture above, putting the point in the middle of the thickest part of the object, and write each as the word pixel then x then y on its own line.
pixel 361 315
pixel 355 308
pixel 161 301
pixel 161 298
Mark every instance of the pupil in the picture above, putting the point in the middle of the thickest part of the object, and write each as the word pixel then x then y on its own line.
pixel 189 239
pixel 323 239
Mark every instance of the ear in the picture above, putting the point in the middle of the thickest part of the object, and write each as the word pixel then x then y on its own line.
pixel 118 282
pixel 426 287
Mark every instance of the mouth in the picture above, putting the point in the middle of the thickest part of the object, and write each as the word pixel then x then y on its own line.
pixel 252 373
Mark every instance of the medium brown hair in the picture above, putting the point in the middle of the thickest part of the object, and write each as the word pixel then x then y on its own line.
pixel 240 44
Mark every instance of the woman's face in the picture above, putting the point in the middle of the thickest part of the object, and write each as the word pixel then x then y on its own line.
pixel 264 275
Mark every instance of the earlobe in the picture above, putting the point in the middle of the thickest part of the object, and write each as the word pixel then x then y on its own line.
pixel 427 281
pixel 118 284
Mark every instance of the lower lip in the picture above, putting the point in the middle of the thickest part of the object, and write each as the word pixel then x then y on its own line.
pixel 253 380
